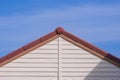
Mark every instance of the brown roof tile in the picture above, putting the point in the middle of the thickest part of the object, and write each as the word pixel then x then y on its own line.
pixel 60 31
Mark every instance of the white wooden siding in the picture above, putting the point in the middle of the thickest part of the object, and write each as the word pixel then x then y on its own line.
pixel 59 60
pixel 40 64
pixel 28 78
pixel 79 64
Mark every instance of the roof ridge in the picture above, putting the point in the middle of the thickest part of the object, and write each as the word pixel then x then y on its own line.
pixel 59 31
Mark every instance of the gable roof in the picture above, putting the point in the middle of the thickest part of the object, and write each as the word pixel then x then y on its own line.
pixel 59 32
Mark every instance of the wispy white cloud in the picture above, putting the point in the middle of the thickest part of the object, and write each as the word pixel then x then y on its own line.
pixel 89 22
pixel 65 13
pixel 70 16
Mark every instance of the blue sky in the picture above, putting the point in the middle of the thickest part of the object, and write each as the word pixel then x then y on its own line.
pixel 96 21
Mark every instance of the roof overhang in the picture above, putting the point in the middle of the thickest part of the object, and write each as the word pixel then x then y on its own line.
pixel 59 32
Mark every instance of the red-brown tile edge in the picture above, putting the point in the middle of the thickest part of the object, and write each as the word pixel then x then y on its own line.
pixel 46 37
pixel 40 40
pixel 28 46
pixel 12 54
pixel 113 58
pixel 59 30
pixel 90 46
pixel 3 59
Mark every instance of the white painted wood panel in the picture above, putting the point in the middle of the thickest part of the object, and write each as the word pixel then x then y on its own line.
pixel 76 56
pixel 30 65
pixel 80 70
pixel 80 51
pixel 55 74
pixel 66 43
pixel 88 65
pixel 79 64
pixel 45 57
pixel 92 74
pixel 40 55
pixel 39 64
pixel 55 78
pixel 83 60
pixel 90 78
pixel 28 78
pixel 49 47
pixel 28 69
pixel 35 60
pixel 27 74
pixel 70 47
pixel 44 51
pixel 89 69
pixel 54 42
pixel 59 60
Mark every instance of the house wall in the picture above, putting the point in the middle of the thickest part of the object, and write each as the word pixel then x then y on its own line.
pixel 40 64
pixel 59 58
pixel 79 64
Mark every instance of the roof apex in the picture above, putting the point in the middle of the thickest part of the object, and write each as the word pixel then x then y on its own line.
pixel 59 30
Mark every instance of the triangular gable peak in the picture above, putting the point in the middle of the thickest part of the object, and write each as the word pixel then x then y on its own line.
pixel 59 32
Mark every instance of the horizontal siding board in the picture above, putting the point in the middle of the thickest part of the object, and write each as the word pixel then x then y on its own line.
pixel 82 60
pixel 27 74
pixel 66 43
pixel 64 40
pixel 76 56
pixel 28 78
pixel 90 78
pixel 40 55
pixel 53 42
pixel 52 47
pixel 28 69
pixel 63 78
pixel 70 47
pixel 82 63
pixel 89 65
pixel 44 51
pixel 29 65
pixel 90 69
pixel 91 74
pixel 39 58
pixel 35 60
pixel 79 64
pixel 42 64
pixel 75 51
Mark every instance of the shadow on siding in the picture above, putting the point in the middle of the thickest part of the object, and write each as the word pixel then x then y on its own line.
pixel 104 71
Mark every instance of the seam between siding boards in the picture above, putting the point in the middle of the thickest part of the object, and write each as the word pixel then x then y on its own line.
pixel 59 58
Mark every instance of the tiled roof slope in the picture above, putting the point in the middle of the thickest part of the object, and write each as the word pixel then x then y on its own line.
pixel 57 32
